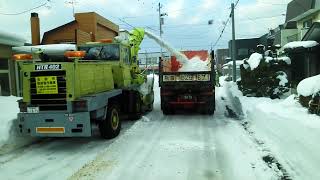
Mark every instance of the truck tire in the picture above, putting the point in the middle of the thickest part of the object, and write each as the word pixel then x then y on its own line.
pixel 110 127
pixel 138 108
pixel 167 111
pixel 211 106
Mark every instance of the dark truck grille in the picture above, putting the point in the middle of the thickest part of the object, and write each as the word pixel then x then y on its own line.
pixel 47 102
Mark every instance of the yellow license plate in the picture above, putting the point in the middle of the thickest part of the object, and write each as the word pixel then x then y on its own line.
pixel 55 130
pixel 47 85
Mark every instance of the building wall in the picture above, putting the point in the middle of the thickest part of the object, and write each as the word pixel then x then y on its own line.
pixel 5 54
pixel 289 35
pixel 82 37
pixel 104 33
pixel 90 23
pixel 65 34
pixel 87 22
pixel 244 47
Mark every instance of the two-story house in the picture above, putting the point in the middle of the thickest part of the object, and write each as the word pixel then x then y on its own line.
pixel 299 18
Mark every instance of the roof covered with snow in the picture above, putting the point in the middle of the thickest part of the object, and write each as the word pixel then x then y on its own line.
pixel 300 44
pixel 10 39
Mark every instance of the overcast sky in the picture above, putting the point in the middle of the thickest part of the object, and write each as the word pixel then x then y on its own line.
pixel 186 26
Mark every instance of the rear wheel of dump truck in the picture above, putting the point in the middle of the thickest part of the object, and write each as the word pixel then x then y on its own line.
pixel 211 106
pixel 166 110
pixel 111 125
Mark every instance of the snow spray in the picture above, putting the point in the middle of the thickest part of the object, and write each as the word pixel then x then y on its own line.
pixel 165 45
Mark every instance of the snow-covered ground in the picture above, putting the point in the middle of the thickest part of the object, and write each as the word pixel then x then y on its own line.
pixel 272 139
pixel 286 130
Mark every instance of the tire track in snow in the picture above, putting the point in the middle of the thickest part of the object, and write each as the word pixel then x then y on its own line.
pixel 234 110
pixel 135 157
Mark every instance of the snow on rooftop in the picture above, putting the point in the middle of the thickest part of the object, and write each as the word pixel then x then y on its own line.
pixel 254 60
pixel 297 44
pixel 309 86
pixel 11 39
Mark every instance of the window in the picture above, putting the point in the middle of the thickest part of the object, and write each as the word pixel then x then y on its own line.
pixel 4 64
pixel 243 52
pixel 126 55
pixel 307 23
pixel 4 84
pixel 110 52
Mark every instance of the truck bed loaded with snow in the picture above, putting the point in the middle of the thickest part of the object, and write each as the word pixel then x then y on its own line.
pixel 192 91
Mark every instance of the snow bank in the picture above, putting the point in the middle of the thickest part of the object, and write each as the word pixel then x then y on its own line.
pixel 309 86
pixel 9 138
pixel 8 110
pixel 297 44
pixel 254 60
pixel 195 64
pixel 165 45
pixel 147 86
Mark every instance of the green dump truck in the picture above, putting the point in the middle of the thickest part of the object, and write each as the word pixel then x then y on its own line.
pixel 99 83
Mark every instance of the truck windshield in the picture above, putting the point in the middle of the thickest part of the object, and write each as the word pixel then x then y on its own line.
pixel 110 52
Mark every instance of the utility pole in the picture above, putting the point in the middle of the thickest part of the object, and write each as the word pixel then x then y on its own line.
pixel 161 22
pixel 160 27
pixel 234 73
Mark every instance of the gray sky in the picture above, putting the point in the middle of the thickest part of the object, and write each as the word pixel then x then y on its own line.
pixel 186 26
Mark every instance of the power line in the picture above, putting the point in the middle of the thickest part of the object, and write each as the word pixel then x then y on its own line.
pixel 224 27
pixel 25 11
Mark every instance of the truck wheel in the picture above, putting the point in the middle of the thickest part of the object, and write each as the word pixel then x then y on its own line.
pixel 111 125
pixel 211 106
pixel 167 111
pixel 138 114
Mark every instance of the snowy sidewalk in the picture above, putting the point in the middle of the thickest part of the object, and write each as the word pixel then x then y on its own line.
pixel 286 130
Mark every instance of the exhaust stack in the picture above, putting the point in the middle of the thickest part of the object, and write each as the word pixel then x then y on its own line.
pixel 35 28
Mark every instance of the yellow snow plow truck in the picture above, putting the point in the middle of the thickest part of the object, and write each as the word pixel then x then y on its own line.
pixel 98 83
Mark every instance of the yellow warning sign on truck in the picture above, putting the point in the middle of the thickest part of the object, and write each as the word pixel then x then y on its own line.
pixel 47 85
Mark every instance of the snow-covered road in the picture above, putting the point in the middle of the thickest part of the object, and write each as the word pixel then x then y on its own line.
pixel 183 147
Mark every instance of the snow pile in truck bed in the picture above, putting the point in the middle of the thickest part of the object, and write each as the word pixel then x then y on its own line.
pixel 309 86
pixel 254 60
pixel 195 64
pixel 297 44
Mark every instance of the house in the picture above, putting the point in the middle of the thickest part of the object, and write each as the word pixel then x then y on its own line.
pixel 244 47
pixel 86 27
pixel 7 41
pixel 299 18
pixel 305 60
